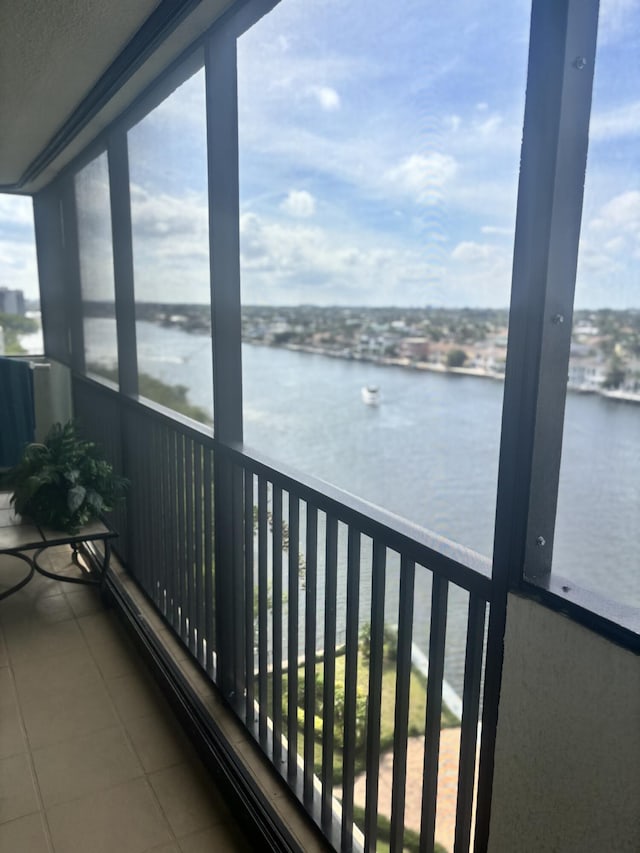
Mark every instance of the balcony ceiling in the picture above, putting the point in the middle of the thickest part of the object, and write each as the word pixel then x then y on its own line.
pixel 58 62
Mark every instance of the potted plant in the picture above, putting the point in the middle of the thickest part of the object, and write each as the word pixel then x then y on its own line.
pixel 63 483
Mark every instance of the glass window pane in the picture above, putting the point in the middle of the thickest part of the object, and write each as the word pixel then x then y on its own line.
pixel 20 329
pixel 169 212
pixel 597 542
pixel 379 155
pixel 95 246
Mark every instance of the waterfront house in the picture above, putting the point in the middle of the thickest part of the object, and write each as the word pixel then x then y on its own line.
pixel 548 749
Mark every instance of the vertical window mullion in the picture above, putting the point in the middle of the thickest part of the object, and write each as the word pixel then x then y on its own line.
pixel 553 165
pixel 564 235
pixel 71 266
pixel 120 195
pixel 224 255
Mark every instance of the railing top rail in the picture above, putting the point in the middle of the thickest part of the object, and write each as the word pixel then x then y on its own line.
pixel 463 566
pixel 169 417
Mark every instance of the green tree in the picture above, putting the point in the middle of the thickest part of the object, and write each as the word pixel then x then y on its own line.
pixel 456 358
pixel 616 373
pixel 15 325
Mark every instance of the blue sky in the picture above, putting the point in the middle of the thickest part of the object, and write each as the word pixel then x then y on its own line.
pixel 379 153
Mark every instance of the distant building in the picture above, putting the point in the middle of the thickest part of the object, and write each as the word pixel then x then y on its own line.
pixel 11 301
pixel 415 348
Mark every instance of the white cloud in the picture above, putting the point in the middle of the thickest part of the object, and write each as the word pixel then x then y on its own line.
pixel 16 210
pixel 622 211
pixel 299 203
pixel 471 253
pixel 288 264
pixel 498 230
pixel 614 18
pixel 617 123
pixel 170 246
pixel 327 97
pixel 423 176
pixel 18 266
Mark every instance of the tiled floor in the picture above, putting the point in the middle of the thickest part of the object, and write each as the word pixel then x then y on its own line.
pixel 91 758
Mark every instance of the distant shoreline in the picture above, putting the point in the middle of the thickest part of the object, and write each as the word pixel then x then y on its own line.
pixel 406 364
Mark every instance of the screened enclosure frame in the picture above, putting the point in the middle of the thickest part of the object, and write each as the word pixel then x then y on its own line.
pixel 549 208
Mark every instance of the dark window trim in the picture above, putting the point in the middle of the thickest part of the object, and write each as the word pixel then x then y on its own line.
pixel 153 32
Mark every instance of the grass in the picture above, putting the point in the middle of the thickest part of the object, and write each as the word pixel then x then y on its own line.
pixel 417 710
pixel 416 722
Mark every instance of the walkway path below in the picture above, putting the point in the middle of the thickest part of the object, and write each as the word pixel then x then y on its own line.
pixel 447 785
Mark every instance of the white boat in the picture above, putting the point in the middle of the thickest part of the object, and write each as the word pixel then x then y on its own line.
pixel 370 395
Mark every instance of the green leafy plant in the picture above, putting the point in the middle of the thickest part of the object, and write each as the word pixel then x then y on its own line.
pixel 63 483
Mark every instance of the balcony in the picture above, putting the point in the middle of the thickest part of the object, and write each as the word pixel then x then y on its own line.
pixel 348 680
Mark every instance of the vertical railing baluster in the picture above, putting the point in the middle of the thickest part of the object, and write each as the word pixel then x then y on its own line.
pixel 239 591
pixel 199 550
pixel 148 510
pixel 189 569
pixel 174 526
pixel 403 683
pixel 263 596
pixel 433 720
pixel 310 650
pixel 292 637
pixel 163 462
pixel 249 584
pixel 329 669
pixel 469 725
pixel 209 568
pixel 181 534
pixel 379 563
pixel 158 556
pixel 350 684
pixel 276 679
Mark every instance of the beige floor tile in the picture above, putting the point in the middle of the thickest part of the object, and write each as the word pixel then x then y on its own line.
pixel 99 628
pixel 40 610
pixel 24 835
pixel 37 679
pixel 69 770
pixel 12 741
pixel 41 586
pixel 17 791
pixel 7 689
pixel 134 696
pixel 84 601
pixel 189 800
pixel 223 838
pixel 116 658
pixel 48 641
pixel 157 740
pixel 81 710
pixel 172 847
pixel 12 570
pixel 124 819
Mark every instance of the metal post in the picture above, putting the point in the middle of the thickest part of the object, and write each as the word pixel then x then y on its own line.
pixel 224 249
pixel 119 191
pixel 560 76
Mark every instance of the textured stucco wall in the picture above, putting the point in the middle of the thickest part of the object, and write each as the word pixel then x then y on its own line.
pixel 567 772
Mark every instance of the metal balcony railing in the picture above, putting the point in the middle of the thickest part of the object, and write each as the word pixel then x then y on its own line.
pixel 332 627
